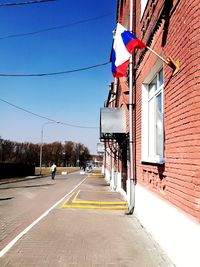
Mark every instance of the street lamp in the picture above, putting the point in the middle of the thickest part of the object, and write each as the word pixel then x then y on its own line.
pixel 41 143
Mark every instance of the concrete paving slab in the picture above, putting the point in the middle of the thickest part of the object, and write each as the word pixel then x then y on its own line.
pixel 70 203
pixel 97 197
pixel 85 237
pixel 91 196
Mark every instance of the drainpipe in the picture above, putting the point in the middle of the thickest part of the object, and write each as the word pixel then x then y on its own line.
pixel 115 160
pixel 130 181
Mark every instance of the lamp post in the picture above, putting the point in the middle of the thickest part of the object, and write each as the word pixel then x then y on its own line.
pixel 41 143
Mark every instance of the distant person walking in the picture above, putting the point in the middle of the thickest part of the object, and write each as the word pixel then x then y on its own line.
pixel 84 167
pixel 53 171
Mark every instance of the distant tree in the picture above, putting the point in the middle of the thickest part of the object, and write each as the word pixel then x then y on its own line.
pixel 34 154
pixel 57 153
pixel 31 154
pixel 1 149
pixel 67 154
pixel 69 151
pixel 53 153
pixel 7 149
pixel 82 154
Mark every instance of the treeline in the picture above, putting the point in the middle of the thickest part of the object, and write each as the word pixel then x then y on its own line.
pixel 67 154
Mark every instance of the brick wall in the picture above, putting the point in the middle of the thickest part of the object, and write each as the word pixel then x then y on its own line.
pixel 170 28
pixel 178 180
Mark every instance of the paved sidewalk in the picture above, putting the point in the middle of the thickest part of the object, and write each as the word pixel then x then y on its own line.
pixel 94 193
pixel 84 237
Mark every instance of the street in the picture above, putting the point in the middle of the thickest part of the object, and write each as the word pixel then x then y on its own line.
pixel 23 202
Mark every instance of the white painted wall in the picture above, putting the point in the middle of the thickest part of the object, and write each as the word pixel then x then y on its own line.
pixel 119 182
pixel 107 175
pixel 176 233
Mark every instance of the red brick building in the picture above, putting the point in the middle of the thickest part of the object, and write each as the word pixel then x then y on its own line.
pixel 165 122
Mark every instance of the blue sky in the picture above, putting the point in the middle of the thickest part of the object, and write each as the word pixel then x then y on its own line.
pixel 73 98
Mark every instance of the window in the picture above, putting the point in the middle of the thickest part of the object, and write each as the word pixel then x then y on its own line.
pixel 152 119
pixel 143 6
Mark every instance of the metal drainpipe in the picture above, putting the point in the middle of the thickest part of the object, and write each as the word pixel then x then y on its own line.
pixel 115 160
pixel 105 158
pixel 134 90
pixel 131 185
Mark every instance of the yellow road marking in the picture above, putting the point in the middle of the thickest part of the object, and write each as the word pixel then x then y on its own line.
pixel 67 199
pixel 95 207
pixel 99 202
pixel 87 204
pixel 75 201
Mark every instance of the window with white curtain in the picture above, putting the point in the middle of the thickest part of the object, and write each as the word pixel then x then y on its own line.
pixel 152 119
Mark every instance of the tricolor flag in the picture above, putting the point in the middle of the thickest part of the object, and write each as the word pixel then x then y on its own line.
pixel 124 44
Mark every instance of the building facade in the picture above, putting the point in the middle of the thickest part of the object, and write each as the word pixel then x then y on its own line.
pixel 165 114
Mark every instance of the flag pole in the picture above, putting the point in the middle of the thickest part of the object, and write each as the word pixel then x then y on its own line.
pixel 164 60
pixel 175 65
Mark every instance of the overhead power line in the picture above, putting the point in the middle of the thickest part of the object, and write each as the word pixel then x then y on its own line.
pixel 55 27
pixel 46 118
pixel 26 3
pixel 53 73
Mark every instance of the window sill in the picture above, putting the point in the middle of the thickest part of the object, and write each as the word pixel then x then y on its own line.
pixel 153 161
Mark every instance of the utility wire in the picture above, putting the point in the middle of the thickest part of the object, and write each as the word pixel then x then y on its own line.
pixel 54 28
pixel 46 118
pixel 26 3
pixel 79 126
pixel 15 106
pixel 53 73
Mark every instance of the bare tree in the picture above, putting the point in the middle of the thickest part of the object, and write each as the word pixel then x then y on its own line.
pixel 69 150
pixel 69 154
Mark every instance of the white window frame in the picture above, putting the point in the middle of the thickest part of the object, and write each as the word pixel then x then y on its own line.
pixel 149 154
pixel 143 6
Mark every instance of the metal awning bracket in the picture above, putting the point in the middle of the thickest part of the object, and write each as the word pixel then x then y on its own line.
pixel 175 65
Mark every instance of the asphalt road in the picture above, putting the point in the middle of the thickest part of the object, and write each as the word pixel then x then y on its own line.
pixel 22 202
